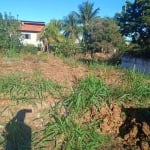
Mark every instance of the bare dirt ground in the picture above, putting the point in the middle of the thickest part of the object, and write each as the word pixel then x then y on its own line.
pixel 53 68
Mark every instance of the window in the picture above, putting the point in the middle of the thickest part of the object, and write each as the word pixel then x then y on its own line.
pixel 27 36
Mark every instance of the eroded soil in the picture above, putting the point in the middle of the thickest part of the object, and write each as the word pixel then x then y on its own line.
pixel 130 126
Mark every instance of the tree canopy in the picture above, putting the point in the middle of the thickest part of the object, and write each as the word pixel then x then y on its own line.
pixel 93 32
pixel 134 22
pixel 105 36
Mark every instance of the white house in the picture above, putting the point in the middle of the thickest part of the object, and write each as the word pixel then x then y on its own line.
pixel 30 31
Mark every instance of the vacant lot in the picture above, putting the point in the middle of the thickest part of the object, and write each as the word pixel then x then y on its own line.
pixel 66 104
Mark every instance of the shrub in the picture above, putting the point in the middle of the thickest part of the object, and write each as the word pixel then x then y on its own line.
pixel 29 49
pixel 66 48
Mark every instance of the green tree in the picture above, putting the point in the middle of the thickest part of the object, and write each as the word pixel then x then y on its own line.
pixel 9 34
pixel 85 16
pixel 134 22
pixel 105 36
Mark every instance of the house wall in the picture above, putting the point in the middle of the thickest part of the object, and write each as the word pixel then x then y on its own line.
pixel 32 40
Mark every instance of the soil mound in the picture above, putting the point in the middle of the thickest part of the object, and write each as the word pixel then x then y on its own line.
pixel 131 125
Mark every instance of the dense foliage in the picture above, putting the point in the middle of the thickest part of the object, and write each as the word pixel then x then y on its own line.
pixel 134 22
pixel 9 34
pixel 105 36
pixel 84 29
pixel 71 28
pixel 51 32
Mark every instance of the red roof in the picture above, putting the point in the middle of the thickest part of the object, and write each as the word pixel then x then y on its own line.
pixel 31 28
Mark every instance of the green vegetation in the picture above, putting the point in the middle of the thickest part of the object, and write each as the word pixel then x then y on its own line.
pixel 134 22
pixel 86 15
pixel 69 135
pixel 106 36
pixel 9 34
pixel 62 125
pixel 27 88
pixel 70 26
pixel 11 38
pixel 63 129
pixel 28 49
pixel 67 48
pixel 83 31
pixel 88 92
pixel 134 88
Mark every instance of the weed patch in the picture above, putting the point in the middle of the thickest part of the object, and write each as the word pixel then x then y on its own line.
pixel 26 87
pixel 134 88
pixel 88 92
pixel 69 135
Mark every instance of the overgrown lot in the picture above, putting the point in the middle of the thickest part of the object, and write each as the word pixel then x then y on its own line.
pixel 67 104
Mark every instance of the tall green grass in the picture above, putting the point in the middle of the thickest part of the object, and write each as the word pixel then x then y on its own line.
pixel 134 87
pixel 17 86
pixel 65 134
pixel 64 131
pixel 89 92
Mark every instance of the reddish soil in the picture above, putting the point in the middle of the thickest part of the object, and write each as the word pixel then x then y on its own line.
pixel 53 68
pixel 129 126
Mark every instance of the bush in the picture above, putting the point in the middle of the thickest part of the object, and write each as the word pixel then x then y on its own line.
pixel 29 49
pixel 67 48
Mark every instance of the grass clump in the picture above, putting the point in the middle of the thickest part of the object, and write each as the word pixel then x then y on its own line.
pixel 26 87
pixel 134 87
pixel 89 92
pixel 68 135
pixel 138 86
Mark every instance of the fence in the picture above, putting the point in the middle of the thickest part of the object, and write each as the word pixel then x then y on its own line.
pixel 140 64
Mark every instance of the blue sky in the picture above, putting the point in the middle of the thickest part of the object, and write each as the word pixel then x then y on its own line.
pixel 45 10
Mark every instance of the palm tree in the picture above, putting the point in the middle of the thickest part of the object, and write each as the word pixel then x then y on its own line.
pixel 86 14
pixel 71 28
